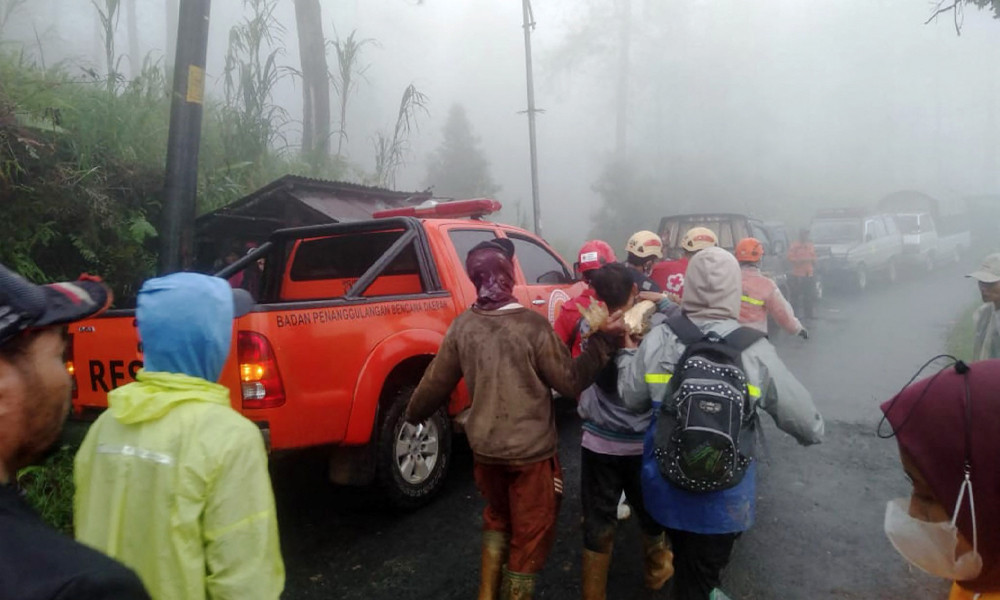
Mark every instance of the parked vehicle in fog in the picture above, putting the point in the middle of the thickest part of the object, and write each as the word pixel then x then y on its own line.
pixel 852 245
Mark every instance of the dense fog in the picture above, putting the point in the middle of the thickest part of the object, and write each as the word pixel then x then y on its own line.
pixel 773 107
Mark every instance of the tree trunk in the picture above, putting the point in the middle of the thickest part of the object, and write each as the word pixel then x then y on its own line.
pixel 134 60
pixel 315 82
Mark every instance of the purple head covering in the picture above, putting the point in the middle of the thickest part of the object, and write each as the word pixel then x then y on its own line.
pixel 490 267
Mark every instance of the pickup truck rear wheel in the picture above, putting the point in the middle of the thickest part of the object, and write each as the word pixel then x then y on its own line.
pixel 412 459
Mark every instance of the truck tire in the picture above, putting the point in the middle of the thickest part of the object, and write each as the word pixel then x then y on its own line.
pixel 861 278
pixel 413 460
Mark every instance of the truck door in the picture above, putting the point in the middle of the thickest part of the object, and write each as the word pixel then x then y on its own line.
pixel 546 277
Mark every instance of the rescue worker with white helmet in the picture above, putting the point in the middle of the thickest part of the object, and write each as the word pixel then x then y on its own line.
pixel 644 249
pixel 669 275
pixel 761 295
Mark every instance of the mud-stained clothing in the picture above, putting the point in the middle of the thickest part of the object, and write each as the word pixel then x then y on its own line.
pixel 511 360
pixel 522 501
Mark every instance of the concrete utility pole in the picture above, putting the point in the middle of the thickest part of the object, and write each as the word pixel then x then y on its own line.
pixel 181 184
pixel 529 24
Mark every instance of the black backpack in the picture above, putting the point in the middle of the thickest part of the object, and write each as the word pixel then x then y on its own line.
pixel 708 403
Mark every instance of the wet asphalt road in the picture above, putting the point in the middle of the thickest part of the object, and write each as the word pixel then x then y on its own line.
pixel 819 514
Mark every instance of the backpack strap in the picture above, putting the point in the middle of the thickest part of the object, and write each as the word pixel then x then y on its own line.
pixel 686 331
pixel 743 337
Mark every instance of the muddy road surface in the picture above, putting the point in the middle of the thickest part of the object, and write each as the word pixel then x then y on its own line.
pixel 819 515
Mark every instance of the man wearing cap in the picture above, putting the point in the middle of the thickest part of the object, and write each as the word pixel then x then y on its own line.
pixel 987 316
pixel 36 562
pixel 171 480
pixel 669 275
pixel 511 360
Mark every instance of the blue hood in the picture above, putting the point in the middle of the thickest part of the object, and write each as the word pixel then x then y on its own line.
pixel 186 324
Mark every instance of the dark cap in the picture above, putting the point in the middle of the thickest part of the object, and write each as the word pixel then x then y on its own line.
pixel 502 244
pixel 24 305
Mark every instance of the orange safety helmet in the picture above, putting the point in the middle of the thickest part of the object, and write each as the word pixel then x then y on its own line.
pixel 749 250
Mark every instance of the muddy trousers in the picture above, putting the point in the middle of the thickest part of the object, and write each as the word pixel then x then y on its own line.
pixel 603 478
pixel 698 562
pixel 522 502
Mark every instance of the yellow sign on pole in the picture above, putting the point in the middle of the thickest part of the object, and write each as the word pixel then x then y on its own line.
pixel 196 84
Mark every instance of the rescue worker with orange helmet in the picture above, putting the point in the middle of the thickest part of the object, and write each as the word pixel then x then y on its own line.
pixel 644 250
pixel 669 275
pixel 593 255
pixel 761 295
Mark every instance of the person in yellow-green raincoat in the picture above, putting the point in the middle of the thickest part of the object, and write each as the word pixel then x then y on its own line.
pixel 171 480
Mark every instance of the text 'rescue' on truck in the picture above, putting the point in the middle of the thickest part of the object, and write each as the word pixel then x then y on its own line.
pixel 348 317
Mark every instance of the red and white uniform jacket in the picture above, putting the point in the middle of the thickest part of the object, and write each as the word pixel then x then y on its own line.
pixel 761 297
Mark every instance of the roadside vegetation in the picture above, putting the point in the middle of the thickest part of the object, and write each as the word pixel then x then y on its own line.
pixel 48 488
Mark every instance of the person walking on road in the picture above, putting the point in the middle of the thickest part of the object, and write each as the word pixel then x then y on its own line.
pixel 669 275
pixel 592 256
pixel 703 525
pixel 511 360
pixel 987 317
pixel 611 460
pixel 946 429
pixel 36 562
pixel 643 250
pixel 761 296
pixel 802 281
pixel 170 479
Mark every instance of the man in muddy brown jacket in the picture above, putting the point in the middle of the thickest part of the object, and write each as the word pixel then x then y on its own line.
pixel 511 359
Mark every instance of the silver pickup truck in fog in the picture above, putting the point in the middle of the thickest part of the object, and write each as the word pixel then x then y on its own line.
pixel 853 245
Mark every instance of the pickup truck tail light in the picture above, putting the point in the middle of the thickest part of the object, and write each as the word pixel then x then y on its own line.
pixel 68 358
pixel 260 380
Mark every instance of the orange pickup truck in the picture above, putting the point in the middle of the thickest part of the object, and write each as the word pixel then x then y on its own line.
pixel 348 317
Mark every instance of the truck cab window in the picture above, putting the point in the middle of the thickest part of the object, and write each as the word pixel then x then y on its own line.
pixel 466 239
pixel 328 267
pixel 538 264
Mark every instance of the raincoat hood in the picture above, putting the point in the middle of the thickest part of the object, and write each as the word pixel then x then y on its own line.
pixel 186 324
pixel 712 286
pixel 153 394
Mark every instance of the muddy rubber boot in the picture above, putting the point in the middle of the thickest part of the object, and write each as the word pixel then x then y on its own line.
pixel 658 561
pixel 495 546
pixel 595 574
pixel 517 586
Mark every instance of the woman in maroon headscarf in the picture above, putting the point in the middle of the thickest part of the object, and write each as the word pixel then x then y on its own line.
pixel 511 359
pixel 948 430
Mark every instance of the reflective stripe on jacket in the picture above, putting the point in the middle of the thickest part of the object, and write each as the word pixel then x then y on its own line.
pixel 173 482
pixel 761 297
pixel 643 378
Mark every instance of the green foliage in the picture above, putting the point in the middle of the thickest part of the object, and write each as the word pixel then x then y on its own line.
pixel 345 79
pixel 251 122
pixel 391 149
pixel 458 168
pixel 49 489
